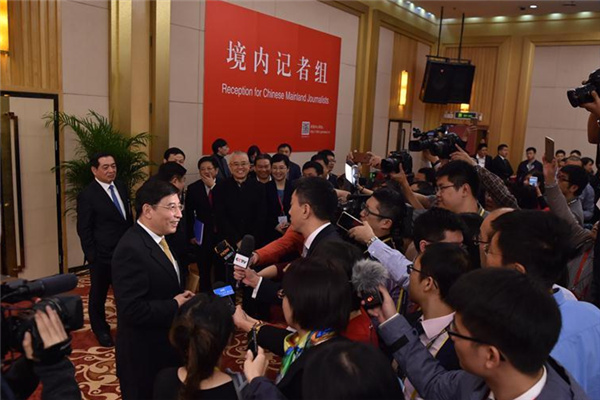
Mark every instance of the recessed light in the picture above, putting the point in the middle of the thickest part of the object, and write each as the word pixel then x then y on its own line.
pixel 533 6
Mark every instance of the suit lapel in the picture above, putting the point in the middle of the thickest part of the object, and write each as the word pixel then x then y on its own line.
pixel 158 254
pixel 122 189
pixel 105 198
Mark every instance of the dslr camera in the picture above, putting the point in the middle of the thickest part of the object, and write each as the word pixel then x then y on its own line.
pixel 438 141
pixel 583 94
pixel 18 319
pixel 395 160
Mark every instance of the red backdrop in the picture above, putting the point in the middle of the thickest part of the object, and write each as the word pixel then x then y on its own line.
pixel 268 81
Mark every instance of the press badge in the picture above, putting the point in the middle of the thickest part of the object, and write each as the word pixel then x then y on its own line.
pixel 282 219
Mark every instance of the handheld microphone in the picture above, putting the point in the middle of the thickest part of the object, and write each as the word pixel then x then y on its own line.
pixel 21 289
pixel 225 291
pixel 242 257
pixel 367 276
pixel 224 250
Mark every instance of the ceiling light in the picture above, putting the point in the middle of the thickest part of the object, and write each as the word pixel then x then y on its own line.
pixel 534 6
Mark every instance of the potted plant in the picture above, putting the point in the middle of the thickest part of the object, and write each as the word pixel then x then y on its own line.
pixel 95 134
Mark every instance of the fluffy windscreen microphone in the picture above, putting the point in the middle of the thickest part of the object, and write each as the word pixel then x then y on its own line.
pixel 367 275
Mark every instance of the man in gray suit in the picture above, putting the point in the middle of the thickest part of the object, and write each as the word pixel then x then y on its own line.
pixel 503 331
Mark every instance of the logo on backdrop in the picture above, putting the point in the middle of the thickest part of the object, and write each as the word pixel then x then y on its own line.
pixel 264 78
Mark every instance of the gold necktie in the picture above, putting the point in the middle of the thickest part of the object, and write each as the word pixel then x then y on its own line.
pixel 165 247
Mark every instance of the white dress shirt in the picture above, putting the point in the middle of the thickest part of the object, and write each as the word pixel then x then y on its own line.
pixel 106 187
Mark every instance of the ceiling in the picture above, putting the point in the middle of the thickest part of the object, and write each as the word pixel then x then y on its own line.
pixel 454 9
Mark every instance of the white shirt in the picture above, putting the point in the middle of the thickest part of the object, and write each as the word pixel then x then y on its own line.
pixel 311 238
pixel 533 392
pixel 435 338
pixel 158 239
pixel 480 161
pixel 106 187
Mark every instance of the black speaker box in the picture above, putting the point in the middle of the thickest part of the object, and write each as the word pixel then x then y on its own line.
pixel 446 82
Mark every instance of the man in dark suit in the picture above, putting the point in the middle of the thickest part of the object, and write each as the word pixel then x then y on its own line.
pixel 240 203
pixel 500 165
pixel 295 171
pixel 313 205
pixel 529 165
pixel 148 285
pixel 482 158
pixel 199 205
pixel 220 150
pixel 103 216
pixel 331 177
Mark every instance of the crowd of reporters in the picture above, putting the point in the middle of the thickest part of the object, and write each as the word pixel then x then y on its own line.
pixel 464 280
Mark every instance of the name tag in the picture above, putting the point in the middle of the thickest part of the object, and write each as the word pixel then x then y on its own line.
pixel 283 219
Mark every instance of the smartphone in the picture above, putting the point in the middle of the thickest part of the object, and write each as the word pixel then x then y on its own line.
pixel 347 221
pixel 372 298
pixel 533 181
pixel 349 174
pixel 253 342
pixel 549 151
pixel 360 157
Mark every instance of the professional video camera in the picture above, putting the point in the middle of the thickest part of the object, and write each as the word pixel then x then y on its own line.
pixel 16 320
pixel 583 94
pixel 438 141
pixel 395 160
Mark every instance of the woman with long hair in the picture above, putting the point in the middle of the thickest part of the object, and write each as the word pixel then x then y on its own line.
pixel 200 332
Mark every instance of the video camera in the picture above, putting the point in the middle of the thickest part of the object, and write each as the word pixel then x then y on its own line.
pixel 583 94
pixel 438 141
pixel 16 320
pixel 392 163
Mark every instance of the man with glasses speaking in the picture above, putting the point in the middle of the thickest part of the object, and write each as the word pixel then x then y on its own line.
pixel 148 285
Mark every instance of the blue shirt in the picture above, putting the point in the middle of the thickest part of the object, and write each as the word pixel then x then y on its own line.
pixel 578 346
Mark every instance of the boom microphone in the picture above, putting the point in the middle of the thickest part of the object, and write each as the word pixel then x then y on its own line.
pixel 367 276
pixel 22 290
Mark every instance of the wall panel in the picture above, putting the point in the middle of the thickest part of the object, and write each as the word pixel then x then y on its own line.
pixel 33 62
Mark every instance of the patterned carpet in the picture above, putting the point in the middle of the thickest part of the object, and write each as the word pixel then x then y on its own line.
pixel 95 369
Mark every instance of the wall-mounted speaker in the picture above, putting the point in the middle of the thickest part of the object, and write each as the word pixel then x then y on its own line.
pixel 446 82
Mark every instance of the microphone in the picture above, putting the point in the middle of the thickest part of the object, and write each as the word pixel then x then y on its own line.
pixel 367 275
pixel 225 291
pixel 22 289
pixel 242 257
pixel 224 250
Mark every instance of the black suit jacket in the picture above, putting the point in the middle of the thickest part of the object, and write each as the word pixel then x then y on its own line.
pixel 488 162
pixel 198 207
pixel 502 168
pixel 240 210
pixel 145 284
pixel 99 224
pixel 295 172
pixel 275 209
pixel 272 338
pixel 333 178
pixel 522 169
pixel 267 293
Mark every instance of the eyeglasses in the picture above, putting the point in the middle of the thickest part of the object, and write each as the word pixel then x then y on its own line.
pixel 412 268
pixel 240 164
pixel 451 330
pixel 368 212
pixel 172 207
pixel 279 168
pixel 440 188
pixel 477 241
